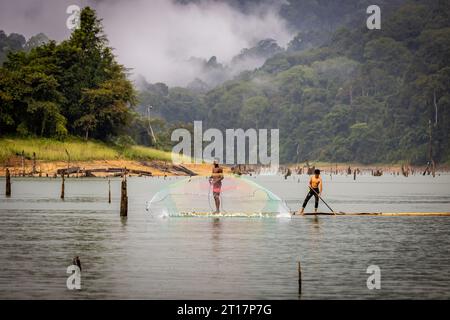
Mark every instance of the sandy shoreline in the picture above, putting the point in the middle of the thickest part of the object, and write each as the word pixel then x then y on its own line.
pixel 154 168
pixel 163 168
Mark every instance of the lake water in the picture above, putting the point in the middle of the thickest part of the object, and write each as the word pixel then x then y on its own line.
pixel 150 257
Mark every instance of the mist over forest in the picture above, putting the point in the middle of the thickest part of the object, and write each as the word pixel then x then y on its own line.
pixel 336 90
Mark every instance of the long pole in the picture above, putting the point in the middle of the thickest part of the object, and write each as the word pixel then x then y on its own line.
pixel 322 200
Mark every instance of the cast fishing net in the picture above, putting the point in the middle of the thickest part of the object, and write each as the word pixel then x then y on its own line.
pixel 194 197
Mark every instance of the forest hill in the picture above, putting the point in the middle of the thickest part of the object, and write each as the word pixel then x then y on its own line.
pixel 361 96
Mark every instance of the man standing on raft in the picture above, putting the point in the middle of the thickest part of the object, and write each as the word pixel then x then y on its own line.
pixel 315 189
pixel 216 181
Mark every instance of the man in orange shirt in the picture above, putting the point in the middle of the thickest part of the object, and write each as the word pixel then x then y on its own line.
pixel 315 189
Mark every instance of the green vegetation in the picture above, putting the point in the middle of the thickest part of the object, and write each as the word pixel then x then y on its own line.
pixel 145 153
pixel 75 87
pixel 80 150
pixel 337 94
pixel 16 42
pixel 365 96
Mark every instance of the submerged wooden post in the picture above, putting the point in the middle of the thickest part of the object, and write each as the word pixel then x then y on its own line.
pixel 34 163
pixel 299 278
pixel 22 158
pixel 8 183
pixel 124 198
pixel 62 186
pixel 109 191
pixel 433 168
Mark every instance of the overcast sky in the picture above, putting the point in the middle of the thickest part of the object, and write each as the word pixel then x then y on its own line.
pixel 155 37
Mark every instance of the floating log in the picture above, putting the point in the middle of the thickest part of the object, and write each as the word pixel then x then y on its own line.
pixel 88 173
pixel 159 166
pixel 68 170
pixel 116 170
pixel 169 168
pixel 98 170
pixel 184 169
pixel 8 183
pixel 141 172
pixel 104 170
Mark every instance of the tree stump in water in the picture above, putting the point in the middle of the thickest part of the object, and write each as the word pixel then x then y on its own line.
pixel 109 191
pixel 62 186
pixel 22 160
pixel 124 199
pixel 34 163
pixel 299 278
pixel 8 183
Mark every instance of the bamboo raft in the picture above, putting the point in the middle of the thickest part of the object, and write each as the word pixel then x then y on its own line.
pixel 274 214
pixel 396 214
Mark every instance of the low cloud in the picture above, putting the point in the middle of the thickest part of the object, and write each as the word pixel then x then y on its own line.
pixel 157 38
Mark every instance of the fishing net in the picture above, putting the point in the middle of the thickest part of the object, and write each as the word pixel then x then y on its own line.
pixel 194 196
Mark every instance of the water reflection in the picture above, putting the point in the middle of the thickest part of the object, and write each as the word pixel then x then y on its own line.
pixel 216 232
pixel 124 221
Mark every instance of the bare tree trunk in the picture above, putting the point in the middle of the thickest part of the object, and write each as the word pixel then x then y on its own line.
pixel 430 149
pixel 433 168
pixel 435 108
pixel 8 183
pixel 62 186
pixel 68 161
pixel 124 198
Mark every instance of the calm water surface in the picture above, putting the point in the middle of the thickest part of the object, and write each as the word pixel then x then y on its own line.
pixel 147 257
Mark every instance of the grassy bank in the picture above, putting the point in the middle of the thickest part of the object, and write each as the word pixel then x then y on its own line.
pixel 79 150
pixel 52 150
